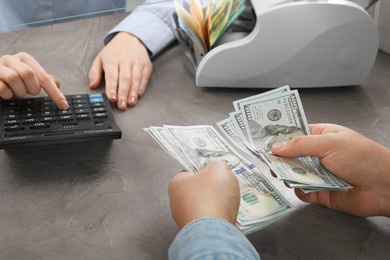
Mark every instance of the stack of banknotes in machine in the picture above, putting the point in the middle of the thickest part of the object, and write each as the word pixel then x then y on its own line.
pixel 204 22
pixel 194 146
pixel 276 116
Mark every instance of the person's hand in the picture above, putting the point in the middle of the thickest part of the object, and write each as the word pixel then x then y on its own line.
pixel 21 74
pixel 354 158
pixel 127 69
pixel 212 192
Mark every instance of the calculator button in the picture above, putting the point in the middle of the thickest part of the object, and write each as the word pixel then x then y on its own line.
pixel 39 126
pixel 80 105
pixel 97 104
pixel 98 109
pixel 13 128
pixel 11 116
pixel 96 95
pixel 48 119
pixel 100 115
pixel 65 118
pixel 47 108
pixel 28 102
pixel 83 117
pixel 29 109
pixel 48 103
pixel 48 113
pixel 95 100
pixel 12 104
pixel 29 120
pixel 11 111
pixel 79 101
pixel 28 115
pixel 12 122
pixel 81 111
pixel 65 112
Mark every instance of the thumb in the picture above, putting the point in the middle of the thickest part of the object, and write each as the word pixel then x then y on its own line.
pixel 312 145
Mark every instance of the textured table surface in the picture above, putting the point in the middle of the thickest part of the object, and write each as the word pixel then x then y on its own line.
pixel 108 200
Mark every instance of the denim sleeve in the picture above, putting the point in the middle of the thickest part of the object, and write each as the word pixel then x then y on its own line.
pixel 211 238
pixel 152 23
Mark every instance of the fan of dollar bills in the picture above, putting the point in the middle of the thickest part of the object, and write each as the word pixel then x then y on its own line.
pixel 258 122
pixel 205 24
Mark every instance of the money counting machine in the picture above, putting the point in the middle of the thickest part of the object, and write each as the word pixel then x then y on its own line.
pixel 312 43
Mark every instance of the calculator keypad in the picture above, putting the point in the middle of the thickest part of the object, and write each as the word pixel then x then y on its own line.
pixel 88 114
pixel 41 113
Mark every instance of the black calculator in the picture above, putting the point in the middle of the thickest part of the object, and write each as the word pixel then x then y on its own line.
pixel 38 121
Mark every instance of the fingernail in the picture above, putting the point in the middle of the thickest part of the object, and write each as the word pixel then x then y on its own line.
pixel 63 104
pixel 113 97
pixel 132 100
pixel 279 145
pixel 140 92
pixel 122 104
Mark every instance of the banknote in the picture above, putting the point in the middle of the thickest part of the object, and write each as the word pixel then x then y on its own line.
pixel 304 172
pixel 278 116
pixel 165 140
pixel 257 122
pixel 228 128
pixel 274 118
pixel 206 23
pixel 261 202
pixel 237 104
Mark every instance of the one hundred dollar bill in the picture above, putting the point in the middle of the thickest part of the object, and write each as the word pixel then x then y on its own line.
pixel 260 201
pixel 279 117
pixel 274 118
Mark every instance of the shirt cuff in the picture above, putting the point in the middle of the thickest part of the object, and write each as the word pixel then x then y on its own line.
pixel 154 31
pixel 211 238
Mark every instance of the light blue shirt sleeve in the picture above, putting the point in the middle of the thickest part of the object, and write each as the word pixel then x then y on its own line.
pixel 152 23
pixel 211 238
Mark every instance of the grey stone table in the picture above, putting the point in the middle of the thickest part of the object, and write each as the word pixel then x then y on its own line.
pixel 108 200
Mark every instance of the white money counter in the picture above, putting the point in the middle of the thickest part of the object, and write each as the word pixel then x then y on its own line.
pixel 303 44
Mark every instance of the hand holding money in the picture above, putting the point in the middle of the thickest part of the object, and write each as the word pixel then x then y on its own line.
pixel 278 116
pixel 195 147
pixel 352 157
pixel 212 192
